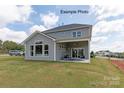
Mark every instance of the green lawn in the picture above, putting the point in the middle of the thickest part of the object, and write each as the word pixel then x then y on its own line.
pixel 16 72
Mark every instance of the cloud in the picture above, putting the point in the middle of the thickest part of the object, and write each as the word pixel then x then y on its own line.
pixel 49 19
pixel 37 27
pixel 108 32
pixel 18 36
pixel 108 27
pixel 116 46
pixel 25 12
pixel 103 30
pixel 8 34
pixel 99 40
pixel 9 14
pixel 106 11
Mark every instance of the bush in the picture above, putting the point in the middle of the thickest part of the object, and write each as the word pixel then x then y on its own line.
pixel 92 55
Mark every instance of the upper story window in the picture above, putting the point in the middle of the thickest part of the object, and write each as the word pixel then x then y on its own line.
pixel 74 34
pixel 77 34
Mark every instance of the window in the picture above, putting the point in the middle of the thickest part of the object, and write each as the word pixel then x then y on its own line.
pixel 39 42
pixel 38 50
pixel 31 50
pixel 74 34
pixel 62 45
pixel 46 50
pixel 78 34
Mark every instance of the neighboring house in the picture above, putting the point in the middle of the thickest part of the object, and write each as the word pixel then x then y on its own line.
pixel 103 53
pixel 107 53
pixel 64 43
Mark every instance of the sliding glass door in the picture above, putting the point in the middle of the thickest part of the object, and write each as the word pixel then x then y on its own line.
pixel 77 53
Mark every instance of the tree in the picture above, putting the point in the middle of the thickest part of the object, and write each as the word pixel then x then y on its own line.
pixel 92 55
pixel 20 47
pixel 1 44
pixel 10 45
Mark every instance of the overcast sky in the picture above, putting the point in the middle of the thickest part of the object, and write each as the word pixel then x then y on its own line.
pixel 18 22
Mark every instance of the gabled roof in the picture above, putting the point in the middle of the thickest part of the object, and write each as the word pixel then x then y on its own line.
pixel 56 29
pixel 37 32
pixel 67 27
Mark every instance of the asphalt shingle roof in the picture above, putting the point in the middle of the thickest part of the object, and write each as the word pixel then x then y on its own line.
pixel 62 28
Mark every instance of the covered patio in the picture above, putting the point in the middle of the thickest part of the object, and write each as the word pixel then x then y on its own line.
pixel 73 51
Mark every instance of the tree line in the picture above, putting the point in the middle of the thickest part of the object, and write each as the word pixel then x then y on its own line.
pixel 7 45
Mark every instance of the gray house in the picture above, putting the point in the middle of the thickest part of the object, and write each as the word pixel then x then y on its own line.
pixel 64 43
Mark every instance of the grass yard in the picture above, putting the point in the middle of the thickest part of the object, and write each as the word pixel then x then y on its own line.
pixel 16 72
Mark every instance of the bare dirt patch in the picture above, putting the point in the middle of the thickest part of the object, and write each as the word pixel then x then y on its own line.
pixel 119 64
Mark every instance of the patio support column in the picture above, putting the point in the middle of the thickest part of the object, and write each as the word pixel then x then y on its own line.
pixel 54 51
